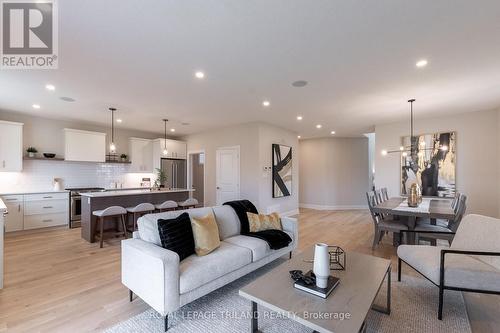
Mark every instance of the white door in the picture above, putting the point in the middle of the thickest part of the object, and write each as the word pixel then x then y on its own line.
pixel 228 174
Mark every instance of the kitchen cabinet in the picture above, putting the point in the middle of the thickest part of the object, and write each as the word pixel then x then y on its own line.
pixel 141 155
pixel 11 146
pixel 84 146
pixel 45 210
pixel 14 221
pixel 176 149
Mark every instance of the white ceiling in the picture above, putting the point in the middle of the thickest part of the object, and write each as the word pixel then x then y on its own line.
pixel 358 57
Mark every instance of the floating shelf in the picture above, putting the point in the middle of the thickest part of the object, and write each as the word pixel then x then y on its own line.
pixel 118 162
pixel 43 158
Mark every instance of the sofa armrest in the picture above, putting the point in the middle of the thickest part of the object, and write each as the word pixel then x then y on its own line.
pixel 290 224
pixel 152 273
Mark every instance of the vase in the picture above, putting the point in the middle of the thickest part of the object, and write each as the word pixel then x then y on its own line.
pixel 31 155
pixel 321 266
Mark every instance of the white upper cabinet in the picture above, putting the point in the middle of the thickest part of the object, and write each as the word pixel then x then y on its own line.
pixel 141 155
pixel 84 146
pixel 176 149
pixel 11 146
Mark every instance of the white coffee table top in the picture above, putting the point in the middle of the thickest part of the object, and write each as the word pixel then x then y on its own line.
pixel 358 288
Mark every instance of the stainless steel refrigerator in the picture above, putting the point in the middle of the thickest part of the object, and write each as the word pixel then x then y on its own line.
pixel 176 172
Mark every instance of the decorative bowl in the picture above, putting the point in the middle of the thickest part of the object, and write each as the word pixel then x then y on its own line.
pixel 49 155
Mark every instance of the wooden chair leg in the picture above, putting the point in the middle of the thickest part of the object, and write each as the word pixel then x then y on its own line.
pixel 376 238
pixel 124 226
pixel 101 221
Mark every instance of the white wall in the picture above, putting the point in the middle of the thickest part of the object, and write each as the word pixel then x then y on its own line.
pixel 334 173
pixel 47 134
pixel 477 166
pixel 255 140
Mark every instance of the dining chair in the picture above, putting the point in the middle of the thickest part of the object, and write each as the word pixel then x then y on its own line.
pixel 446 228
pixel 385 194
pixel 382 225
pixel 378 197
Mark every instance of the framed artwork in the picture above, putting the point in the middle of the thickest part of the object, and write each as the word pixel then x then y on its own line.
pixel 282 171
pixel 432 165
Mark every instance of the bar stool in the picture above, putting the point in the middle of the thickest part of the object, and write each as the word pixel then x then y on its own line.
pixel 189 203
pixel 140 210
pixel 167 205
pixel 113 211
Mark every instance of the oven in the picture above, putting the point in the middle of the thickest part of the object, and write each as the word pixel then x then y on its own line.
pixel 75 216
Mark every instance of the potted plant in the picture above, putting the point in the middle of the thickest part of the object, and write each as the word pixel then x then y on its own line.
pixel 161 177
pixel 123 157
pixel 31 151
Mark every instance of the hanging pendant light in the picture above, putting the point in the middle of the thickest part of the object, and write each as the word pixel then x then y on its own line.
pixel 415 149
pixel 165 150
pixel 112 146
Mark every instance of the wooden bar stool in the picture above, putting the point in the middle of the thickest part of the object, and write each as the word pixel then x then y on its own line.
pixel 189 203
pixel 139 210
pixel 113 211
pixel 167 205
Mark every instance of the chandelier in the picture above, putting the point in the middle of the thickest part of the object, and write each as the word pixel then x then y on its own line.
pixel 414 149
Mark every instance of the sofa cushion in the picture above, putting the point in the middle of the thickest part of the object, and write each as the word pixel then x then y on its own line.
pixel 228 221
pixel 148 224
pixel 461 271
pixel 259 247
pixel 259 222
pixel 206 234
pixel 196 271
pixel 177 235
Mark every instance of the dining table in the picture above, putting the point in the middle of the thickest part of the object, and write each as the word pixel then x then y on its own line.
pixel 431 208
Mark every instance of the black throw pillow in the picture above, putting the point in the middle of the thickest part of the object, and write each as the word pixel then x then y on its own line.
pixel 177 235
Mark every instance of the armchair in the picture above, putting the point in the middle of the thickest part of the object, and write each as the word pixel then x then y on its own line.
pixel 471 264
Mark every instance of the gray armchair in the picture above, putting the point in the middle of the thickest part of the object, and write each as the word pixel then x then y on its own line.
pixel 471 264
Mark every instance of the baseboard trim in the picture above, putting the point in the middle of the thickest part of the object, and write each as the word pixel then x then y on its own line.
pixel 326 207
pixel 291 212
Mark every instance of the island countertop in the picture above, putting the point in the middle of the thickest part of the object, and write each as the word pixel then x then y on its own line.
pixel 119 193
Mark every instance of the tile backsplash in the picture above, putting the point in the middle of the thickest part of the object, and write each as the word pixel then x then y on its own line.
pixel 38 176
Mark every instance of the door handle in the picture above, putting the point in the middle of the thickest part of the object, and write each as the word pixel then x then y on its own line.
pixel 218 187
pixel 47 207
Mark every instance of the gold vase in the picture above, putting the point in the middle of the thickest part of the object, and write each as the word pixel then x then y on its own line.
pixel 415 195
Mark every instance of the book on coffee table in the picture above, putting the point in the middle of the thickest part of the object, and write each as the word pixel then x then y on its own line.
pixel 313 289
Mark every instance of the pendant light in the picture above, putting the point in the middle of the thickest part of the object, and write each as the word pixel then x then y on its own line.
pixel 112 146
pixel 165 150
pixel 415 149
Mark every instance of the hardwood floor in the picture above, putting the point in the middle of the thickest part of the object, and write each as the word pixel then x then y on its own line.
pixel 57 282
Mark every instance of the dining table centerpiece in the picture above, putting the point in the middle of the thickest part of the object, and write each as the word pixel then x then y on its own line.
pixel 415 195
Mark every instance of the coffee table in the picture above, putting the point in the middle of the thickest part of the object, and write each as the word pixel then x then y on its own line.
pixel 346 308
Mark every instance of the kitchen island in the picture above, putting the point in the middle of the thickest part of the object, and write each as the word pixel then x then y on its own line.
pixel 93 201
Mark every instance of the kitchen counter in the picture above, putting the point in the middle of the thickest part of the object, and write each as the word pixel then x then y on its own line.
pixel 93 201
pixel 122 192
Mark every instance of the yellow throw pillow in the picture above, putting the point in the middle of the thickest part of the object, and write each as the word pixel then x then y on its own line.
pixel 259 222
pixel 205 233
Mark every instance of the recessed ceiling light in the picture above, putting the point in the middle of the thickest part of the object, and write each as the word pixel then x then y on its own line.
pixel 199 75
pixel 172 130
pixel 318 126
pixel 36 106
pixel 299 117
pixel 67 99
pixel 266 103
pixel 421 63
pixel 298 136
pixel 332 132
pixel 119 120
pixel 50 87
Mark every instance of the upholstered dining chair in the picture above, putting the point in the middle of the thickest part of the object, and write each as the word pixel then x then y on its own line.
pixel 470 264
pixel 382 225
pixel 446 228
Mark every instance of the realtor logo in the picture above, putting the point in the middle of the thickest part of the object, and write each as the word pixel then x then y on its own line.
pixel 29 34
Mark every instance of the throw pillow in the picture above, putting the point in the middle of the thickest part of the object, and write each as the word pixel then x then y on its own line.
pixel 260 222
pixel 206 234
pixel 177 235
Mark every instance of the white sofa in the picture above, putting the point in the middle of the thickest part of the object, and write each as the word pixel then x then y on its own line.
pixel 156 276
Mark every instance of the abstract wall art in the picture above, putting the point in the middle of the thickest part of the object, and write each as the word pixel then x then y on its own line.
pixel 431 164
pixel 282 171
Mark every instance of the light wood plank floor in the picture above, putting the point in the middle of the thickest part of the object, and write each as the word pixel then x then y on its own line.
pixel 57 282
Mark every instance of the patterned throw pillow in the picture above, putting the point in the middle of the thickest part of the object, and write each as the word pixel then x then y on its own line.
pixel 206 234
pixel 260 222
pixel 177 235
